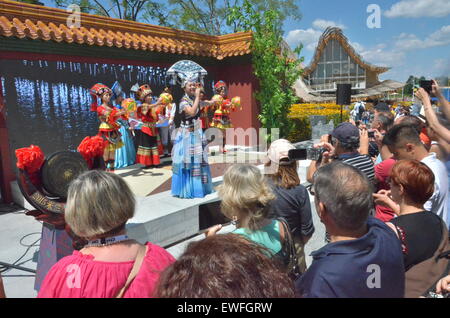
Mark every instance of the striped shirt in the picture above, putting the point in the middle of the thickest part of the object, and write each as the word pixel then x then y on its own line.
pixel 361 162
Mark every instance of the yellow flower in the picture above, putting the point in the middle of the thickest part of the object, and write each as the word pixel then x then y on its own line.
pixel 299 111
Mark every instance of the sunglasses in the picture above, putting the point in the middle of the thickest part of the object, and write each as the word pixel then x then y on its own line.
pixel 310 189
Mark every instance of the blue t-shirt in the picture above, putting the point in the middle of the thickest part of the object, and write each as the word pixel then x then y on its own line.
pixel 371 266
pixel 268 236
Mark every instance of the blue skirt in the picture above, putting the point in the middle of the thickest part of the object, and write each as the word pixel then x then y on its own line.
pixel 125 156
pixel 191 176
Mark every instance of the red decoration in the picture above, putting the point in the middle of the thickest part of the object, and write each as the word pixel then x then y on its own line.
pixel 92 147
pixel 30 159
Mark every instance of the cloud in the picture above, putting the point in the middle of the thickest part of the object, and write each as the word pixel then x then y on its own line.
pixel 419 8
pixel 309 38
pixel 406 42
pixel 359 48
pixel 441 67
pixel 323 24
pixel 381 57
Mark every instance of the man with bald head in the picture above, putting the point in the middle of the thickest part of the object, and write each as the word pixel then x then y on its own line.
pixel 364 258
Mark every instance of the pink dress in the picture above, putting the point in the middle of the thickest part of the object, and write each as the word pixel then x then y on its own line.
pixel 80 276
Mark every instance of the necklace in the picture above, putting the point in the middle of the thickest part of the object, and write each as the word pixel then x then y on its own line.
pixel 107 241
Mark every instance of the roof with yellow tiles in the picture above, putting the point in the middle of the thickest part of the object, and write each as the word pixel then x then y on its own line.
pixel 49 24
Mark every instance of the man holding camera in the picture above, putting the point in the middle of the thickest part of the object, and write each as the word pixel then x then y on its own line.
pixel 343 146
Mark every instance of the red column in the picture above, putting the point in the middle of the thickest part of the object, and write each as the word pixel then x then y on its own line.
pixel 6 171
pixel 242 82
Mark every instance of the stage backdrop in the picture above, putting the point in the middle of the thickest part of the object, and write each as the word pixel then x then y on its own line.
pixel 48 102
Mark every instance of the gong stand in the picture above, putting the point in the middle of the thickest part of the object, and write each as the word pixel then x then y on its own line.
pixel 49 200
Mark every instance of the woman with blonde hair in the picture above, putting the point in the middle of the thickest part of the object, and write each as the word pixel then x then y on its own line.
pixel 110 264
pixel 291 198
pixel 246 199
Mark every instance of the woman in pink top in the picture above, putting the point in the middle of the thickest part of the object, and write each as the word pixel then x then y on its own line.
pixel 98 206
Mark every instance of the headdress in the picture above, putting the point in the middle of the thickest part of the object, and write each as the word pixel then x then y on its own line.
pixel 219 85
pixel 134 88
pixel 96 92
pixel 143 91
pixel 186 71
pixel 116 91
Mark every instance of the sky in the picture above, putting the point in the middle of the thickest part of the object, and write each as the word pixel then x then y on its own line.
pixel 413 38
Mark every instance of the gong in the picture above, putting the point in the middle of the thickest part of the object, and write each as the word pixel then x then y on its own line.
pixel 59 170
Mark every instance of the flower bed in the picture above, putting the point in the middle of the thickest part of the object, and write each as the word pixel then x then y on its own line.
pixel 299 114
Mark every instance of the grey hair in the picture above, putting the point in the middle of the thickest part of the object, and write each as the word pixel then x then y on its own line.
pixel 346 193
pixel 97 203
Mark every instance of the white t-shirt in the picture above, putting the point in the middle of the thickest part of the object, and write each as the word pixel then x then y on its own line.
pixel 438 201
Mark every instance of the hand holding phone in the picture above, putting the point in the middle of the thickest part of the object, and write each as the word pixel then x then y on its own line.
pixel 427 86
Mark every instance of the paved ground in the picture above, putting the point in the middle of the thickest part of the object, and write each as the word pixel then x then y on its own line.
pixel 20 234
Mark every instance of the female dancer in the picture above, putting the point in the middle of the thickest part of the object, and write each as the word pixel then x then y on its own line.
pixel 222 118
pixel 109 127
pixel 125 156
pixel 191 173
pixel 147 153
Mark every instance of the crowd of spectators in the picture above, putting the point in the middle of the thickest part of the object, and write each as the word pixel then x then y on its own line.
pixel 382 197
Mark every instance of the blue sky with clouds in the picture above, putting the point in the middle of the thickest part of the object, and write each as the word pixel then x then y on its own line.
pixel 414 38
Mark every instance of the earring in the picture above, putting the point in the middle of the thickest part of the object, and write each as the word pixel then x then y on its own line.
pixel 234 220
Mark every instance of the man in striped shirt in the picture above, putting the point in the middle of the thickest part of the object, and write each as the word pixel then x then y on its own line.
pixel 344 147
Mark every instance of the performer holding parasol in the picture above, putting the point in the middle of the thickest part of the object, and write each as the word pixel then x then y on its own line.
pixel 224 107
pixel 125 156
pixel 109 126
pixel 191 172
pixel 147 153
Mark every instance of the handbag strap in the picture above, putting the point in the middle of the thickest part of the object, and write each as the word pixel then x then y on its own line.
pixel 134 271
pixel 285 233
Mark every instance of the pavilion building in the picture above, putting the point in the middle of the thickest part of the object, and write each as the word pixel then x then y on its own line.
pixel 335 62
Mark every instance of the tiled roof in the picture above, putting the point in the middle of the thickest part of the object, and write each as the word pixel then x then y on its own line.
pixel 49 24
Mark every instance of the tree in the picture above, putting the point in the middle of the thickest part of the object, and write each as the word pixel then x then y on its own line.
pixel 410 85
pixel 31 2
pixel 122 9
pixel 274 67
pixel 202 16
pixel 210 16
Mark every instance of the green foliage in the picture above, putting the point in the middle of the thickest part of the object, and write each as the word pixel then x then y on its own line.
pixel 134 10
pixel 275 70
pixel 31 2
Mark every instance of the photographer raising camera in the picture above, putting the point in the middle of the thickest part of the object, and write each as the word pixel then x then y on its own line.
pixel 343 146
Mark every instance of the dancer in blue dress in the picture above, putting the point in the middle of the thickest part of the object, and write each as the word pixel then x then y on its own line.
pixel 191 176
pixel 125 156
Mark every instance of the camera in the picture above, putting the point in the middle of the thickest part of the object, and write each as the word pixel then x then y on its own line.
pixel 426 85
pixel 371 134
pixel 315 153
pixel 306 154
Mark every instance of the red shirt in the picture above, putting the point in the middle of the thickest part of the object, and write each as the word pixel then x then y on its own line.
pixel 382 173
pixel 80 276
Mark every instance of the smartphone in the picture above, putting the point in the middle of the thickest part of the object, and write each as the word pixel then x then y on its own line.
pixel 427 85
pixel 297 154
pixel 371 134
